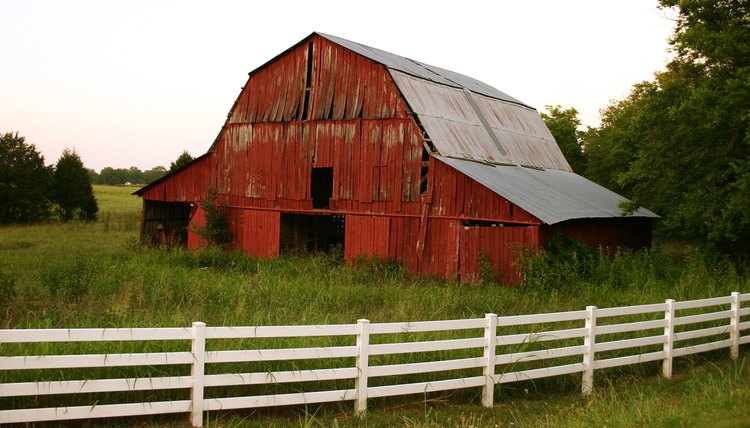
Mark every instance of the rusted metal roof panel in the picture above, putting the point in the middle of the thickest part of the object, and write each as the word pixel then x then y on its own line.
pixel 422 70
pixel 472 126
pixel 523 133
pixel 550 195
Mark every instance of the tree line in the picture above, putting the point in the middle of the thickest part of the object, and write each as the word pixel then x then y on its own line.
pixel 679 144
pixel 134 175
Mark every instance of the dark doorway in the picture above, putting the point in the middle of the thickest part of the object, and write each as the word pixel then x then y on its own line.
pixel 165 223
pixel 307 233
pixel 321 188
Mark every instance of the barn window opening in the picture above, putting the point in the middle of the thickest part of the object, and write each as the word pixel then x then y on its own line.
pixel 481 223
pixel 308 78
pixel 511 211
pixel 311 233
pixel 321 188
pixel 424 172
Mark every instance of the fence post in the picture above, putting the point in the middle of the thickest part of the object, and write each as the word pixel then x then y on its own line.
pixel 589 340
pixel 197 371
pixel 363 355
pixel 666 365
pixel 734 326
pixel 490 336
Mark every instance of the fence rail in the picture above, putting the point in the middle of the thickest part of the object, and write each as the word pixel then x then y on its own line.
pixel 605 333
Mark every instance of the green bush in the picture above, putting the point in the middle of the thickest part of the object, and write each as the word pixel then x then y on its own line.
pixel 216 231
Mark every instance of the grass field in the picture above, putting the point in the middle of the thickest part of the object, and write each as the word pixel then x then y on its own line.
pixel 58 275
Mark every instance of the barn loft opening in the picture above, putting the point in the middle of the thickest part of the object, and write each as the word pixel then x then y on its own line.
pixel 321 188
pixel 165 223
pixel 310 233
pixel 424 172
pixel 308 79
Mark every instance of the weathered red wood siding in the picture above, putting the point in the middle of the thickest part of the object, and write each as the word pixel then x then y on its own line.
pixel 355 122
pixel 197 220
pixel 472 223
pixel 499 247
pixel 186 185
pixel 255 232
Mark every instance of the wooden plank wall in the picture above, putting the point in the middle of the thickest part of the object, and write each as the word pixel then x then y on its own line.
pixel 269 164
pixel 197 220
pixel 367 236
pixel 343 86
pixel 255 232
pixel 187 185
pixel 499 247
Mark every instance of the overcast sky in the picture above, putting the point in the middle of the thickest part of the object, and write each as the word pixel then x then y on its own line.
pixel 134 83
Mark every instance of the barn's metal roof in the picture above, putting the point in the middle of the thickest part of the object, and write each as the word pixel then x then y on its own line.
pixel 421 70
pixel 467 125
pixel 552 196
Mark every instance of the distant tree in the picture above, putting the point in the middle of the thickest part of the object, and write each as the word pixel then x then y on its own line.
pixel 564 124
pixel 153 174
pixel 93 175
pixel 184 159
pixel 135 175
pixel 112 176
pixel 24 181
pixel 71 190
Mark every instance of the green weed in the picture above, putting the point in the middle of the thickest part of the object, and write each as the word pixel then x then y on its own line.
pixel 108 280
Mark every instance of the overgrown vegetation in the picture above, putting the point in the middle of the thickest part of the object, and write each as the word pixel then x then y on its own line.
pixel 96 275
pixel 216 230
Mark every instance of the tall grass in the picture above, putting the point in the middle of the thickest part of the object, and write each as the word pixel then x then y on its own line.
pixel 96 275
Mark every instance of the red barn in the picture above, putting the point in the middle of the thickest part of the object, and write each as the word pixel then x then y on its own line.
pixel 337 143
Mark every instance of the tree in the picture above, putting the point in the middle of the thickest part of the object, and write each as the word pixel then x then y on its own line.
pixel 613 146
pixel 111 176
pixel 184 159
pixel 24 181
pixel 71 190
pixel 93 176
pixel 680 143
pixel 153 174
pixel 135 175
pixel 564 124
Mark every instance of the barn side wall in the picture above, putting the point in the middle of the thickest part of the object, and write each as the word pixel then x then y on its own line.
pixel 606 233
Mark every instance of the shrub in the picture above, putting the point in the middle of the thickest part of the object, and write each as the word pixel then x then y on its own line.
pixel 216 231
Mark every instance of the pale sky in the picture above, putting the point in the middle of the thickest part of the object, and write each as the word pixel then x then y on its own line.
pixel 134 83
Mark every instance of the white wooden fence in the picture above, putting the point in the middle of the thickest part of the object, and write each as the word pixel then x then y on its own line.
pixel 599 332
